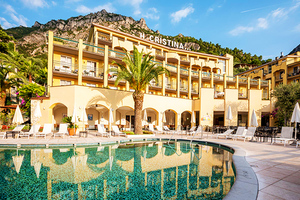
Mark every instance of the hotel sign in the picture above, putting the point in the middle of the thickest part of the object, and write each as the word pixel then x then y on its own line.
pixel 164 41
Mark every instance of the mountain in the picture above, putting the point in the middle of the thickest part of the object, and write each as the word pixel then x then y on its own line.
pixel 32 40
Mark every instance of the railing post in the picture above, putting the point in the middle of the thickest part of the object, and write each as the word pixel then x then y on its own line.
pixel 50 62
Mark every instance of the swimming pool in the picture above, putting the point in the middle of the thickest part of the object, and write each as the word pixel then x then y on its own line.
pixel 139 170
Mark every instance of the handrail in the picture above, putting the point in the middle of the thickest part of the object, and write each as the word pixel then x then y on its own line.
pixel 179 126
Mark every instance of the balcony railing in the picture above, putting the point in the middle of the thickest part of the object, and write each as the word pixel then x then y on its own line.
pixel 195 73
pixel 92 71
pixel 171 68
pixel 253 82
pixel 65 67
pixel 243 80
pixel 184 71
pixel 69 42
pixel 205 75
pixel 218 77
pixel 170 86
pixel 264 83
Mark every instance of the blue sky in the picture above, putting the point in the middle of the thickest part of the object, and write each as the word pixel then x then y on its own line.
pixel 264 28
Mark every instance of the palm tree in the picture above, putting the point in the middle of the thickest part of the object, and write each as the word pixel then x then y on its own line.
pixel 138 71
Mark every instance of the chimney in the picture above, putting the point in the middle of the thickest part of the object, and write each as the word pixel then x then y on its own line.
pixel 281 55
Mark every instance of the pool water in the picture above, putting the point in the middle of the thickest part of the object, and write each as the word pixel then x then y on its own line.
pixel 146 170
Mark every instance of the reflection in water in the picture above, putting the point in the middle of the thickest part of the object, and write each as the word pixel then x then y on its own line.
pixel 153 170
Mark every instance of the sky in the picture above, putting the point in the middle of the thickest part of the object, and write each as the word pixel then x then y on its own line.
pixel 261 27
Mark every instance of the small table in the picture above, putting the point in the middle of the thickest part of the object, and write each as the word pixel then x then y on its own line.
pixel 83 133
pixel 13 134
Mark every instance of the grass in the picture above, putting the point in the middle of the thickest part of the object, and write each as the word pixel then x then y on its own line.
pixel 132 133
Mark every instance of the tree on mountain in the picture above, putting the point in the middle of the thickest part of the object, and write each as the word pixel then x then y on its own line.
pixel 138 70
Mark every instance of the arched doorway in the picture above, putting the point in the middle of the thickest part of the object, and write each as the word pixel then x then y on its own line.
pixel 97 114
pixel 125 118
pixel 186 119
pixel 170 119
pixel 59 111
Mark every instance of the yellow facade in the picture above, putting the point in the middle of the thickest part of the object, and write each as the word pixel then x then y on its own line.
pixel 79 76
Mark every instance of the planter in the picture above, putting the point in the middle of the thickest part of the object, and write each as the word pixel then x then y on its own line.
pixel 72 131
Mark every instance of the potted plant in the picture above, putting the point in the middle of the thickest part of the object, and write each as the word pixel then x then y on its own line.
pixel 72 128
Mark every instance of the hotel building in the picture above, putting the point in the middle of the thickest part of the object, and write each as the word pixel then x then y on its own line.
pixel 282 70
pixel 79 77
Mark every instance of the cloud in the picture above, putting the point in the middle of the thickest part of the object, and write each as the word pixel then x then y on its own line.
pixel 85 10
pixel 241 29
pixel 272 18
pixel 53 3
pixel 297 28
pixel 177 16
pixel 262 23
pixel 152 14
pixel 19 19
pixel 35 3
pixel 135 4
pixel 5 24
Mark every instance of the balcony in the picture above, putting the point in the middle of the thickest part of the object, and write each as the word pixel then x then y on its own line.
pixel 184 71
pixel 171 68
pixel 293 74
pixel 64 68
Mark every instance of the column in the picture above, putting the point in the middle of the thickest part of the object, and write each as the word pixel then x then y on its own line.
pixel 212 80
pixel 95 40
pixel 248 83
pixel 105 74
pixel 225 82
pixel 237 82
pixel 190 82
pixel 269 88
pixel 80 48
pixel 147 89
pixel 164 80
pixel 199 83
pixel 259 84
pixel 178 79
pixel 50 62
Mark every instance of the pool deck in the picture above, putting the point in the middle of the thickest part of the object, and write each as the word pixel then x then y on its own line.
pixel 277 168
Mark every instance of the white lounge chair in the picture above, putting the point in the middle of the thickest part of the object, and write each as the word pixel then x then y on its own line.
pixel 198 130
pixel 239 132
pixel 117 131
pixel 249 134
pixel 63 130
pixel 159 130
pixel 167 130
pixel 3 134
pixel 297 144
pixel 102 131
pixel 46 130
pixel 33 130
pixel 286 135
pixel 225 134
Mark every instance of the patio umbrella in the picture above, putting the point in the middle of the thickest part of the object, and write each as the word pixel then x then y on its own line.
pixel 18 161
pixel 84 117
pixel 193 118
pixel 145 115
pixel 253 121
pixel 296 117
pixel 37 112
pixel 164 118
pixel 229 115
pixel 111 117
pixel 111 159
pixel 74 118
pixel 18 119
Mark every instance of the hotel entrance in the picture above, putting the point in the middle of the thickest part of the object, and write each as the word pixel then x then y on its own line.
pixel 218 118
pixel 243 119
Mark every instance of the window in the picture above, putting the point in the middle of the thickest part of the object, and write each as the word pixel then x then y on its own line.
pixel 90 68
pixel 270 69
pixel 295 71
pixel 224 66
pixel 64 82
pixel 281 75
pixel 66 64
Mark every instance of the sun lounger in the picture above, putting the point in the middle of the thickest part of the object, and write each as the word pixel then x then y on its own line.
pixel 101 130
pixel 239 132
pixel 159 130
pixel 249 134
pixel 117 131
pixel 3 134
pixel 286 135
pixel 225 134
pixel 199 129
pixel 63 130
pixel 33 130
pixel 47 130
